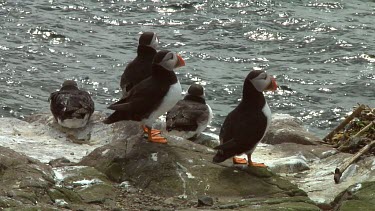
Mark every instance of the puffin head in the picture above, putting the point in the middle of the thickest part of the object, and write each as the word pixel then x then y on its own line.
pixel 262 81
pixel 168 60
pixel 69 84
pixel 196 90
pixel 149 39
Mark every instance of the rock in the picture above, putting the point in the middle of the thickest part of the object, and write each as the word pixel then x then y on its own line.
pixel 322 161
pixel 50 141
pixel 359 196
pixel 169 177
pixel 293 164
pixel 24 181
pixel 205 201
pixel 285 128
pixel 59 162
pixel 183 169
pixel 88 185
pixel 207 139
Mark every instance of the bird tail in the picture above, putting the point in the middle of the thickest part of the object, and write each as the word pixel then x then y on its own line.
pixel 221 156
pixel 225 151
pixel 116 117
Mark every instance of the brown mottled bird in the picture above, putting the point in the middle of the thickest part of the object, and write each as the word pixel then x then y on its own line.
pixel 71 107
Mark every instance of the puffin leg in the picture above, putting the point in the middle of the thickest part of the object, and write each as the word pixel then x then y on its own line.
pixel 154 132
pixel 251 163
pixel 239 160
pixel 155 138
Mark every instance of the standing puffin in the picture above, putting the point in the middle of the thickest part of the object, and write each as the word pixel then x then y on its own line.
pixel 191 115
pixel 246 125
pixel 71 107
pixel 152 97
pixel 140 68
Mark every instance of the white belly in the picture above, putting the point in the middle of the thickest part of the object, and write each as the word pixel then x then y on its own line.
pixel 171 98
pixel 267 112
pixel 74 123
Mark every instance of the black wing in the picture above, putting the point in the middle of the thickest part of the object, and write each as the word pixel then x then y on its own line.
pixel 240 132
pixel 139 102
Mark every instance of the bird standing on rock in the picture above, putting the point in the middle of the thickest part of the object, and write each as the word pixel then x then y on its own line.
pixel 71 107
pixel 152 97
pixel 140 68
pixel 246 125
pixel 190 116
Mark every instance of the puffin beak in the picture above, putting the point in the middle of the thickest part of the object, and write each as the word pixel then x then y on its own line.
pixel 273 85
pixel 180 62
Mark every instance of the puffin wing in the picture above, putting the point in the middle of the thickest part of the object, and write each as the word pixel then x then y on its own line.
pixel 144 96
pixel 139 102
pixel 126 77
pixel 241 132
pixel 136 71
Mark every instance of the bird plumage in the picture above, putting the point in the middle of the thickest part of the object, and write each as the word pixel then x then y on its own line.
pixel 140 67
pixel 149 95
pixel 246 125
pixel 190 115
pixel 70 106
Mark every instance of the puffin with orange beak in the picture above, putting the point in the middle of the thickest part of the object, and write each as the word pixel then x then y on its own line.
pixel 246 125
pixel 152 97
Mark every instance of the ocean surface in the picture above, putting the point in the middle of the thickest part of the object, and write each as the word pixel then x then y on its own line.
pixel 320 52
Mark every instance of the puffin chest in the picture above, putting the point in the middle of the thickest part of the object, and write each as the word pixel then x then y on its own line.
pixel 169 100
pixel 267 112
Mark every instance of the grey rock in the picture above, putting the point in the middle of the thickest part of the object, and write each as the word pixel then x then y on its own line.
pixel 288 129
pixel 205 201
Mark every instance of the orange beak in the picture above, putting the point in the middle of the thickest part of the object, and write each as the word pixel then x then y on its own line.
pixel 180 62
pixel 273 85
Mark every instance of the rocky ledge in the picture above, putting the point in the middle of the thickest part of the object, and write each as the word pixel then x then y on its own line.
pixel 46 167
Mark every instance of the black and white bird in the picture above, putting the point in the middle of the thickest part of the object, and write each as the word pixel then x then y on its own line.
pixel 152 97
pixel 246 125
pixel 140 68
pixel 191 115
pixel 71 107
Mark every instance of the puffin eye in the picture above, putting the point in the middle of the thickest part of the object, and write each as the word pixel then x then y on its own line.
pixel 171 56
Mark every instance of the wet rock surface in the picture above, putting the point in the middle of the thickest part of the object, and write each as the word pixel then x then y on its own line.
pixel 114 168
pixel 286 129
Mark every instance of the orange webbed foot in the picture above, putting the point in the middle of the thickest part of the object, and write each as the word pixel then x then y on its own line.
pixel 154 132
pixel 254 164
pixel 239 160
pixel 157 139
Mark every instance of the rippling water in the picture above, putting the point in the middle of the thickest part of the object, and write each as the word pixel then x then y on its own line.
pixel 321 53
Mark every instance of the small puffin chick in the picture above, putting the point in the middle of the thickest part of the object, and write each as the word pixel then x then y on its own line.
pixel 152 97
pixel 190 116
pixel 140 68
pixel 71 107
pixel 246 125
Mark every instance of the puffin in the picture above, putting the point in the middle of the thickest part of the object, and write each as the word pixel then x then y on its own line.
pixel 140 68
pixel 70 106
pixel 191 115
pixel 245 126
pixel 152 97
